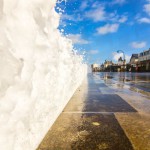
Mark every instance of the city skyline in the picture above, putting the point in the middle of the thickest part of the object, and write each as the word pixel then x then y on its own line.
pixel 102 27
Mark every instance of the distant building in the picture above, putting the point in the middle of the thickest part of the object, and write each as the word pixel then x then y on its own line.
pixel 95 67
pixel 134 59
pixel 140 62
pixel 121 64
pixel 121 61
pixel 115 68
pixel 134 63
pixel 107 63
pixel 102 67
pixel 144 61
pixel 145 55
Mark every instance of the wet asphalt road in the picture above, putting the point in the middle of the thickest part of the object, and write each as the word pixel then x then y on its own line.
pixel 110 111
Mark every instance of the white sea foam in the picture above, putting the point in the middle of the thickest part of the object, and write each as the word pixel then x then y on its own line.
pixel 39 72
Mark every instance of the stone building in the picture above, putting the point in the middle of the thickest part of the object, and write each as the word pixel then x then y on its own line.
pixel 134 62
pixel 95 67
pixel 144 61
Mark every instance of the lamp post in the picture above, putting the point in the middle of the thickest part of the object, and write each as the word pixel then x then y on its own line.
pixel 123 58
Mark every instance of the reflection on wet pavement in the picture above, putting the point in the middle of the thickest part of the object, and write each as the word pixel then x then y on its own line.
pixel 107 103
pixel 138 81
pixel 105 113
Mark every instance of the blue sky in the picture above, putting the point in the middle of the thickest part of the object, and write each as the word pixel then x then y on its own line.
pixel 101 27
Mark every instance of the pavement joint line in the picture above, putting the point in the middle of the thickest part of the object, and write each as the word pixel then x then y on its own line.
pixel 78 112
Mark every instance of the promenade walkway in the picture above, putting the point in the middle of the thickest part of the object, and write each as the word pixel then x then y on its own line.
pixel 101 117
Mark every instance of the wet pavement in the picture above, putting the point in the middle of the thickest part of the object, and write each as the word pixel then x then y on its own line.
pixel 107 112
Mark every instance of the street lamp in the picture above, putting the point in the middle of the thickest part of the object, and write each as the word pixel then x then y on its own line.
pixel 122 53
pixel 118 51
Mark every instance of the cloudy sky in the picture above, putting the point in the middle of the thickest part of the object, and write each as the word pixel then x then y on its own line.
pixel 101 27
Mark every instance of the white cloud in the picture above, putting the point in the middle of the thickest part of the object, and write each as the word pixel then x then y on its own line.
pixel 108 28
pixel 144 20
pixel 95 4
pixel 127 57
pixel 71 17
pixel 123 19
pixel 93 52
pixel 114 17
pixel 77 39
pixel 84 5
pixel 118 1
pixel 138 44
pixel 116 56
pixel 67 17
pixel 147 7
pixel 97 14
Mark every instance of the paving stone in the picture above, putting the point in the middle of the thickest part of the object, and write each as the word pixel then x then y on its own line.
pixel 86 132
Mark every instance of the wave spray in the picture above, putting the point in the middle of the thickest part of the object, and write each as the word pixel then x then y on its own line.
pixel 39 71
